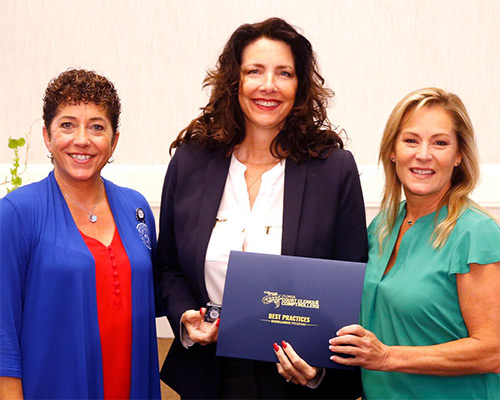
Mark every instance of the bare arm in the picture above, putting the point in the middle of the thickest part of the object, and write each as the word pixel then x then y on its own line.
pixel 477 354
pixel 11 388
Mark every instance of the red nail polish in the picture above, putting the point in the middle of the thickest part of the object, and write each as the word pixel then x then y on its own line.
pixel 283 343
pixel 276 347
pixel 201 310
pixel 217 322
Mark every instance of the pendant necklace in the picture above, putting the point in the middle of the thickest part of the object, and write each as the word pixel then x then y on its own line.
pixel 92 216
pixel 269 167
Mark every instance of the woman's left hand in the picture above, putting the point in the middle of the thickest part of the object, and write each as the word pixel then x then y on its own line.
pixel 292 367
pixel 367 351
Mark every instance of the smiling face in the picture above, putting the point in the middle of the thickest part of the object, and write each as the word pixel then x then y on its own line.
pixel 81 140
pixel 268 85
pixel 426 152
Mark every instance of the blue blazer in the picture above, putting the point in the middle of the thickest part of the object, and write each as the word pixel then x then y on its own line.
pixel 323 217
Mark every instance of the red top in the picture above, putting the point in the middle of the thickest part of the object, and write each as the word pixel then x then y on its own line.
pixel 114 313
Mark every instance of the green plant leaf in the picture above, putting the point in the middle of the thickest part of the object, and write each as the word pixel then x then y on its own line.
pixel 13 143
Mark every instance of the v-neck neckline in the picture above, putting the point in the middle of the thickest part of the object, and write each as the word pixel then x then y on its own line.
pixel 405 241
pixel 111 244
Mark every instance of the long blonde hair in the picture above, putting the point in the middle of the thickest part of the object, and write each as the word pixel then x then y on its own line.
pixel 464 177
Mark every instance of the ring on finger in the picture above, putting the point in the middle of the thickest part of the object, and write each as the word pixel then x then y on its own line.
pixel 289 379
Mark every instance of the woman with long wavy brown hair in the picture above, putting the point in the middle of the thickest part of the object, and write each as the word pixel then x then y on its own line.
pixel 261 170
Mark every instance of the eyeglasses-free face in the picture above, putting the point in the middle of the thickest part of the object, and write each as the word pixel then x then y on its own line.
pixel 425 154
pixel 268 85
pixel 81 141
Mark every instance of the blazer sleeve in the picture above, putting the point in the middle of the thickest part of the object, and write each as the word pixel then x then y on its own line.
pixel 351 241
pixel 14 259
pixel 350 244
pixel 174 293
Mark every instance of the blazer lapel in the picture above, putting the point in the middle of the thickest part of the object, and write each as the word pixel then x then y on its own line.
pixel 213 188
pixel 295 181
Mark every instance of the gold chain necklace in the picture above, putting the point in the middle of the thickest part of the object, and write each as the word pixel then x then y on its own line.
pixel 260 176
pixel 267 168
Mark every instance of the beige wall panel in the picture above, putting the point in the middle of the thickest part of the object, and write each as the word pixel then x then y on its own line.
pixel 157 52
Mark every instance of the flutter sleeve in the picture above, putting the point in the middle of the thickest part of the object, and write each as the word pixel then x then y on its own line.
pixel 477 242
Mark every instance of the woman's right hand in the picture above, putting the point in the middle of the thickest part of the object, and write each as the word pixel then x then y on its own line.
pixel 199 330
pixel 366 350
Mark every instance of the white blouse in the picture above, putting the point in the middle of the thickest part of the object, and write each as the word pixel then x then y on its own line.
pixel 238 227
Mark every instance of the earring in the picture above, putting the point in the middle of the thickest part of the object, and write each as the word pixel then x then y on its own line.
pixel 393 159
pixel 111 159
pixel 50 155
pixel 457 164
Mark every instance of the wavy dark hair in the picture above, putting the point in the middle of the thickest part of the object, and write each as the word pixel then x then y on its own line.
pixel 307 132
pixel 77 86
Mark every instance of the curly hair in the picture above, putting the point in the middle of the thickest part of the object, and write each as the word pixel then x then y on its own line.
pixel 307 132
pixel 464 178
pixel 77 86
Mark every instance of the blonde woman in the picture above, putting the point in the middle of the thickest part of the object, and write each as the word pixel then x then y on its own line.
pixel 430 319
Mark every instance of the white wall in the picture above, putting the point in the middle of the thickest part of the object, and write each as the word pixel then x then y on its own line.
pixel 371 52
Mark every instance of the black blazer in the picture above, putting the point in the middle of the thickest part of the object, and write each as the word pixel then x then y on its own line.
pixel 323 217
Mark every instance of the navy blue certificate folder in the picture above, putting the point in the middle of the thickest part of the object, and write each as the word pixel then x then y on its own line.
pixel 304 301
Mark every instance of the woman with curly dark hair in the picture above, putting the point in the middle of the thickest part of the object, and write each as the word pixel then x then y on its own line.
pixel 77 303
pixel 261 170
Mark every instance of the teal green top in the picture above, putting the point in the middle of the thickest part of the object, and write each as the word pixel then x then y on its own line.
pixel 416 302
